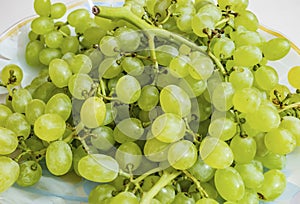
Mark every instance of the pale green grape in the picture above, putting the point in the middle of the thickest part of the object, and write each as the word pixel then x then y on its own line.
pixel 79 85
pixel 60 104
pixel 250 197
pixel 201 66
pixel 241 78
pixel 276 48
pixel 182 154
pixel 33 49
pixel 261 149
pixel 293 76
pixel 100 193
pixel 168 128
pixel 42 7
pixel 18 124
pixel 44 91
pixel 92 36
pixel 77 17
pixel 8 141
pixel 280 136
pixel 272 160
pixel 102 138
pixel 212 10
pixel 42 25
pixel 247 55
pixel 165 53
pixel 266 77
pixel 216 153
pixel 246 100
pixel 129 129
pixel 166 194
pixel 183 198
pixel 236 5
pixel 129 156
pixel 273 185
pixel 125 198
pixel 92 112
pixel 223 48
pixel 201 22
pixel 109 68
pixel 292 124
pixel 49 127
pixel 222 128
pixel 21 97
pixel 174 99
pixel 30 173
pixel 156 150
pixel 243 149
pixel 4 113
pixel 149 98
pixel 77 153
pixel 58 10
pixel 247 19
pixel 69 44
pixel 129 39
pixel 229 184
pixel 201 171
pixel 59 72
pixel 205 108
pixel 184 20
pixel 48 54
pixel 149 182
pixel 222 96
pixel 133 66
pixel 109 45
pixel 179 66
pixel 59 157
pixel 206 201
pixel 80 63
pixel 54 39
pixel 110 114
pixel 9 172
pixel 34 109
pixel 128 89
pixel 248 38
pixel 11 74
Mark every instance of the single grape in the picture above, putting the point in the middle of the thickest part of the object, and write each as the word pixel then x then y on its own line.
pixel 222 96
pixel 5 111
pixel 293 79
pixel 60 104
pixel 246 100
pixel 201 171
pixel 201 66
pixel 222 128
pixel 59 72
pixel 272 160
pixel 100 193
pixel 17 123
pixel 54 39
pixel 48 54
pixel 79 85
pixel 183 198
pixel 21 97
pixel 42 7
pixel 42 25
pixel 149 98
pixel 102 138
pixel 109 68
pixel 266 78
pixel 243 149
pixel 133 66
pixel 80 63
pixel 11 74
pixel 128 89
pixel 241 78
pixel 276 48
pixel 58 10
pixel 109 46
pixel 156 150
pixel 129 129
pixel 166 194
pixel 247 19
pixel 128 39
pixel 78 16
pixel 223 48
pixel 9 172
pixel 30 173
pixel 33 49
pixel 69 44
pixel 8 141
pixel 193 87
pixel 247 55
pixel 292 124
pixel 165 53
pixel 124 198
pixel 201 23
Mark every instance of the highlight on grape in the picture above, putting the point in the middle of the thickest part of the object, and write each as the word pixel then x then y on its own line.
pixel 157 101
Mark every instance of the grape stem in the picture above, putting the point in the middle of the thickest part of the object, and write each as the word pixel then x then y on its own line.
pixel 164 180
pixel 197 183
pixel 294 105
pixel 218 63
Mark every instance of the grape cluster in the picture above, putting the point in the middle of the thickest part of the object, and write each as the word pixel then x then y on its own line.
pixel 158 101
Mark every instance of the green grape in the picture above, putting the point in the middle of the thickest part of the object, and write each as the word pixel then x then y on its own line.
pixel 280 136
pixel 247 19
pixel 201 171
pixel 128 89
pixel 77 154
pixel 92 36
pixel 63 28
pixel 251 174
pixel 201 66
pixel 92 112
pixel 205 108
pixel 182 154
pixel 32 36
pixel 110 114
pixel 54 39
pixel 21 97
pixel 133 66
pixel 216 153
pixel 149 182
pixel 34 109
pixel 96 56
pixel 59 72
pixel 266 77
pixel 212 10
pixel 184 20
pixel 276 48
pixel 207 187
pixel 42 7
pixel 129 156
pixel 292 76
pixel 165 53
pixel 48 54
pixel 241 77
pixel 79 85
pixel 18 124
pixel 193 87
pixel 5 111
pixel 248 38
pixel 261 149
pixel 9 172
pixel 58 10
pixel 78 16
pixel 129 39
pixel 33 49
pixel 272 160
pixel 30 173
pixel 128 130
pixel 182 198
pixel 243 149
pixel 247 55
pixel 222 96
pixel 156 150
pixel 81 63
pixel 58 157
pixel 69 44
pixel 168 128
pixel 246 100
pixel 223 48
pixel 109 46
pixel 109 68
pixel 179 66
pixel 292 124
pixel 166 195
pixel 174 99
pixel 149 98
pixel 42 25
pixel 250 197
pixel 49 127
pixel 222 128
pixel 102 138
pixel 273 185
pixel 264 118
pixel 11 74
pixel 100 193
pixel 44 91
pixel 125 198
pixel 236 5
pixel 60 104
pixel 206 201
pixel 202 22
pixel 229 184
pixel 8 141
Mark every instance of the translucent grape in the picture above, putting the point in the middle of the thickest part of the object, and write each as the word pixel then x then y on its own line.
pixel 4 113
pixel 42 7
pixel 202 171
pixel 276 48
pixel 30 173
pixel 18 124
pixel 79 85
pixel 69 44
pixel 247 19
pixel 166 194
pixel 78 16
pixel 193 87
pixel 59 72
pixel 206 201
pixel 9 172
pixel 54 39
pixel 93 111
pixel 202 22
pixel 102 138
pixel 222 96
pixel 100 193
pixel 125 197
pixel 248 38
pixel 33 49
pixel 60 104
pixel 20 99
pixel 149 97
pixel 223 48
pixel 222 128
pixel 201 67
pixel 42 25
pixel 165 53
pixel 241 78
pixel 34 109
pixel 293 78
pixel 128 39
pixel 8 141
pixel 156 150
pixel 247 55
pixel 109 68
pixel 273 161
pixel 246 100
pixel 132 66
pixel 236 5
pixel 128 89
pixel 11 74
pixel 266 77
pixel 80 63
pixel 292 124
pixel 129 129
pixel 243 149
pixel 179 66
pixel 109 45
pixel 58 10
pixel 48 54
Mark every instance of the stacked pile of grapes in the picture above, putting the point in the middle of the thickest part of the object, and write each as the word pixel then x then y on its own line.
pixel 158 101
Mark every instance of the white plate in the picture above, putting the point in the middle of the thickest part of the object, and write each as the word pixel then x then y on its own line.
pixel 72 190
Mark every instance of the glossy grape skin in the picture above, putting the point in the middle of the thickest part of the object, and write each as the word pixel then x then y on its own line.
pixel 100 193
pixel 128 89
pixel 11 70
pixel 42 7
pixel 243 149
pixel 247 55
pixel 129 129
pixel 58 10
pixel 125 198
pixel 202 171
pixel 60 104
pixel 8 141
pixel 128 39
pixel 292 124
pixel 9 172
pixel 292 76
pixel 4 113
pixel 18 124
pixel 102 138
pixel 149 97
pixel 276 48
pixel 59 72
pixel 79 84
pixel 156 150
pixel 33 49
pixel 222 128
pixel 30 173
pixel 42 25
